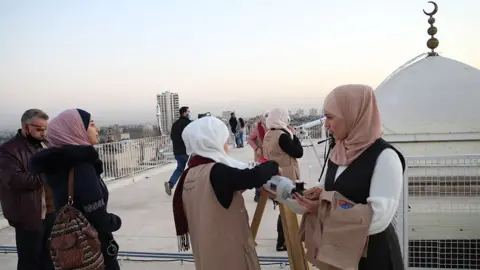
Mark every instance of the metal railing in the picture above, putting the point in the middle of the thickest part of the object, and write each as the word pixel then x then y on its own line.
pixel 316 132
pixel 443 229
pixel 125 158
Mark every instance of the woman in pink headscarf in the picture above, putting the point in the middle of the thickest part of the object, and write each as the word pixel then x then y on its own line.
pixel 73 134
pixel 364 168
pixel 255 140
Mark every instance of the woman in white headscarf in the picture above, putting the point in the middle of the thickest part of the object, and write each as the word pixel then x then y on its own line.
pixel 208 205
pixel 282 146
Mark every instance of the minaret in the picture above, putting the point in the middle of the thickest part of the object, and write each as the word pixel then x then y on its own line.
pixel 159 121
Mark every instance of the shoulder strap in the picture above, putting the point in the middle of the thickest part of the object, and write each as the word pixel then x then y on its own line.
pixel 70 186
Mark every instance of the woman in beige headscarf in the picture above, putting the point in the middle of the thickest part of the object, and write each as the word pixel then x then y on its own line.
pixel 282 146
pixel 364 168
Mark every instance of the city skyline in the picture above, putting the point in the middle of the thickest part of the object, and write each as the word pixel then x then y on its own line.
pixel 153 122
pixel 112 59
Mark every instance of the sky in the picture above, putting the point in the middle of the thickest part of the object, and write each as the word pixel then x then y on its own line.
pixel 112 57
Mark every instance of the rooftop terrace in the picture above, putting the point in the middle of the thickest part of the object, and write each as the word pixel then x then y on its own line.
pixel 445 208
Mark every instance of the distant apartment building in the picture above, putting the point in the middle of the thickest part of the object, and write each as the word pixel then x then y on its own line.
pixel 168 105
pixel 111 134
pixel 313 112
pixel 300 112
pixel 124 136
pixel 226 114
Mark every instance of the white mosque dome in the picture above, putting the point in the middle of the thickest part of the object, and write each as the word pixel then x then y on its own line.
pixel 431 96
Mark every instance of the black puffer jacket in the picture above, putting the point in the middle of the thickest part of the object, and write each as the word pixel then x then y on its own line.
pixel 90 192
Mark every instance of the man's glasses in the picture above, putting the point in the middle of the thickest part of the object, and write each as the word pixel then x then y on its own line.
pixel 37 127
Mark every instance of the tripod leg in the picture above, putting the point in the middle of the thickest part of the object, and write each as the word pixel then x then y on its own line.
pixel 315 151
pixel 257 217
pixel 296 252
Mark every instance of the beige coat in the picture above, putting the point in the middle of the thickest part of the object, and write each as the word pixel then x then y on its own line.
pixel 336 237
pixel 272 151
pixel 221 238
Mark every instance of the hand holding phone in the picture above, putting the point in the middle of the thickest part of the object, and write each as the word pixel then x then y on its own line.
pixel 313 193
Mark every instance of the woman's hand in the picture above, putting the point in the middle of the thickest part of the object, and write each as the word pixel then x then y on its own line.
pixel 313 193
pixel 259 153
pixel 311 205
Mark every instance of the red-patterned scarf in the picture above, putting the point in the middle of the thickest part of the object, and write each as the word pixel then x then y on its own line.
pixel 261 130
pixel 181 223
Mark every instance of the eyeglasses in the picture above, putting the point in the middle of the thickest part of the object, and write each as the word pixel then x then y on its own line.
pixel 37 127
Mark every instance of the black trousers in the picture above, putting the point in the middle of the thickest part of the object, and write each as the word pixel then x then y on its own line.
pixel 111 263
pixel 110 251
pixel 32 250
pixel 384 252
pixel 280 236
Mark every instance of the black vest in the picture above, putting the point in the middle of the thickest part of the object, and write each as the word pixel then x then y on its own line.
pixel 354 181
pixel 384 251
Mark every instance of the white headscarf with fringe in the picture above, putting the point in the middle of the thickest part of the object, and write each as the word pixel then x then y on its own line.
pixel 206 137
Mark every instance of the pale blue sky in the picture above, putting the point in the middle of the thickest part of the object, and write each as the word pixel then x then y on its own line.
pixel 111 57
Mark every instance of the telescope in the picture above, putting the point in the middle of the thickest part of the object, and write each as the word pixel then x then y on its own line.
pixel 318 122
pixel 329 141
pixel 302 129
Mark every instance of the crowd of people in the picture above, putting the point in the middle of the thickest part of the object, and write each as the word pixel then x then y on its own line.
pixel 237 127
pixel 363 169
pixel 49 169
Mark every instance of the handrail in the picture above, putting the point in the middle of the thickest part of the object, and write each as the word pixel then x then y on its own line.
pixel 166 257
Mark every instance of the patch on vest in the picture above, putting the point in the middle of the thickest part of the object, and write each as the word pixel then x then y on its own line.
pixel 344 204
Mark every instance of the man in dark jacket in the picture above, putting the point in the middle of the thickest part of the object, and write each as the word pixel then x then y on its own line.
pixel 233 126
pixel 233 123
pixel 26 202
pixel 179 149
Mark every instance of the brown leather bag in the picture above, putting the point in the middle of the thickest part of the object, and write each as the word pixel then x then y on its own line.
pixel 74 242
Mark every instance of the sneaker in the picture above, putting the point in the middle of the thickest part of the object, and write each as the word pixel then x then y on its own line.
pixel 168 189
pixel 281 248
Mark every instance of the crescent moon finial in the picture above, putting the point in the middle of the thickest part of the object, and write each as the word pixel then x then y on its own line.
pixel 435 9
pixel 433 42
